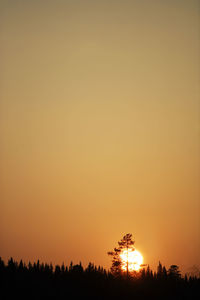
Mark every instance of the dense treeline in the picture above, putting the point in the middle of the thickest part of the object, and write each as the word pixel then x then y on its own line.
pixel 43 281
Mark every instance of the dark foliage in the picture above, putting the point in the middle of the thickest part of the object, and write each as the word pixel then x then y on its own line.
pixel 43 281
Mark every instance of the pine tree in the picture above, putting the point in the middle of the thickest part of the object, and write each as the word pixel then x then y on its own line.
pixel 126 243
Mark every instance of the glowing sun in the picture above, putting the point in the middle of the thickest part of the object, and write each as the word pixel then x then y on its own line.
pixel 134 259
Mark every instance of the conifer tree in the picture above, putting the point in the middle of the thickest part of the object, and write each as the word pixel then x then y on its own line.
pixel 125 243
pixel 159 270
pixel 174 272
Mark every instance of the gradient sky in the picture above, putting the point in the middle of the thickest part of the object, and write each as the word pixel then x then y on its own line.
pixel 100 129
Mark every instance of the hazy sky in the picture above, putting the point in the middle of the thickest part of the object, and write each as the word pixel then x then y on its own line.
pixel 100 129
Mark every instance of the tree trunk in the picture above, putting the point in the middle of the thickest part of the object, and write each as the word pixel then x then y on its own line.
pixel 127 263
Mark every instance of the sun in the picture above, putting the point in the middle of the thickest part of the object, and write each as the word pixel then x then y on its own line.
pixel 134 259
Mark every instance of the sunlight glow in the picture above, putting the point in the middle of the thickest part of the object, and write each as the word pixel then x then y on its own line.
pixel 134 258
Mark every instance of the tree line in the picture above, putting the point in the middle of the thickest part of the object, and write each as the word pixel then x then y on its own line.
pixel 44 281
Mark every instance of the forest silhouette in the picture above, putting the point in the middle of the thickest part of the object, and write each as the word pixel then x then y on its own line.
pixel 45 281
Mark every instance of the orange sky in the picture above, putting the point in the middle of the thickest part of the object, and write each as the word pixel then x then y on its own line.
pixel 99 130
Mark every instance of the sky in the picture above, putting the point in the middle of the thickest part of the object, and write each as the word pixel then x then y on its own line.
pixel 100 130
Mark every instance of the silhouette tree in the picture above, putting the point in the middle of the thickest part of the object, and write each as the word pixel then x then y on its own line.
pixel 159 271
pixel 164 272
pixel 126 243
pixel 174 272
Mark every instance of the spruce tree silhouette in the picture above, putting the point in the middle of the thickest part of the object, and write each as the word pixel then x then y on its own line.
pixel 43 281
pixel 174 272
